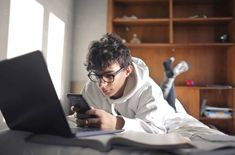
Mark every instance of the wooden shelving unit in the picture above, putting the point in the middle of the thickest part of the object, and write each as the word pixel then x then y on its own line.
pixel 188 30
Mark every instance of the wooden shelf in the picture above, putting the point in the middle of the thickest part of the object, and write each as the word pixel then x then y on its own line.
pixel 140 2
pixel 215 119
pixel 210 20
pixel 193 2
pixel 217 88
pixel 208 87
pixel 155 45
pixel 188 30
pixel 120 21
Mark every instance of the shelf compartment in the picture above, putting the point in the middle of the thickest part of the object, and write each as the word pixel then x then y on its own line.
pixel 141 8
pixel 191 98
pixel 217 97
pixel 199 33
pixel 208 8
pixel 180 45
pixel 158 33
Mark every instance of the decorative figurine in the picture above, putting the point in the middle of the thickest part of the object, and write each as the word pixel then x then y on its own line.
pixel 135 39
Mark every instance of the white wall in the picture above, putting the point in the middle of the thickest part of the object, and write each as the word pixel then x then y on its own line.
pixel 4 23
pixel 85 20
pixel 90 24
pixel 4 18
pixel 64 10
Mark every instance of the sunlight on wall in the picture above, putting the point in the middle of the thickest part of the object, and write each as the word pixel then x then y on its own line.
pixel 25 27
pixel 26 35
pixel 55 48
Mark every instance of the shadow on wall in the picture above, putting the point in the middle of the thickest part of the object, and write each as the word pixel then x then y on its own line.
pixel 3 124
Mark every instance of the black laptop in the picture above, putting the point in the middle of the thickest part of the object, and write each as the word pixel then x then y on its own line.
pixel 28 100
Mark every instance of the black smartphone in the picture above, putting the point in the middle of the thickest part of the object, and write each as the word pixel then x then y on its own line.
pixel 78 102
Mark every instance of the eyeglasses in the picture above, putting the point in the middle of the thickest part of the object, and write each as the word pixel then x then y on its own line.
pixel 106 77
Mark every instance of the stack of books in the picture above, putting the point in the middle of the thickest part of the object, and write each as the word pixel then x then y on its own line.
pixel 217 112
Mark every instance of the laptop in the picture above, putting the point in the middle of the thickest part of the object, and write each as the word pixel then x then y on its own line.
pixel 28 100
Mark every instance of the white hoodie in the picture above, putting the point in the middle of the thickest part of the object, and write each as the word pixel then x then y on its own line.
pixel 142 105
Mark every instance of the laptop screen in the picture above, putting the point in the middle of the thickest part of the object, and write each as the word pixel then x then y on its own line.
pixel 28 99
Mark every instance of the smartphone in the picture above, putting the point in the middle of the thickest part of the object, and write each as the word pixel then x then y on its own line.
pixel 79 102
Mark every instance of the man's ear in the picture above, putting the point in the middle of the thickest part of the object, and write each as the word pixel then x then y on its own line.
pixel 129 70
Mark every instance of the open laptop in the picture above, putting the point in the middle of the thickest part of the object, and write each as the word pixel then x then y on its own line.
pixel 28 99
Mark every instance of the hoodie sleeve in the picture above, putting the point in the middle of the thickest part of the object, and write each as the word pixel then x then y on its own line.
pixel 150 112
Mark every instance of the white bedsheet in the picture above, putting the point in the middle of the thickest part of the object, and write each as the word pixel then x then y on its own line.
pixel 203 137
pixel 187 125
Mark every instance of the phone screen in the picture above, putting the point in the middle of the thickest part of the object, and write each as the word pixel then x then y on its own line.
pixel 79 102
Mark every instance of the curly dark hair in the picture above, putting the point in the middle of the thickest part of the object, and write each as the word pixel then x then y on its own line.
pixel 106 51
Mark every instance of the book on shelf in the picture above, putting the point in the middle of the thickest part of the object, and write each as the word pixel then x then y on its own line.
pixel 215 112
pixel 138 140
pixel 212 108
pixel 218 114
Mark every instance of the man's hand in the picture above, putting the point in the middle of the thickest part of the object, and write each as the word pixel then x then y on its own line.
pixel 104 119
pixel 100 119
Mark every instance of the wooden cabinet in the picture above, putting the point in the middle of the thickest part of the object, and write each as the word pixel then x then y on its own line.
pixel 192 98
pixel 199 31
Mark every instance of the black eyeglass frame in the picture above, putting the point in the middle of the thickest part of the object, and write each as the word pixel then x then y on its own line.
pixel 98 77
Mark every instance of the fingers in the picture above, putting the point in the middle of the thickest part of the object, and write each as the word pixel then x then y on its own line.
pixel 93 122
pixel 81 122
pixel 90 122
pixel 89 119
pixel 95 112
pixel 98 118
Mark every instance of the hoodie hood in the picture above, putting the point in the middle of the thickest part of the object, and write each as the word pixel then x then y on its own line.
pixel 135 81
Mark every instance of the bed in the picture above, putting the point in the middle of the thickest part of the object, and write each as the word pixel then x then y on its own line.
pixel 205 140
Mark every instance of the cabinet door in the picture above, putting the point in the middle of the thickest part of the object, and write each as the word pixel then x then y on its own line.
pixel 189 97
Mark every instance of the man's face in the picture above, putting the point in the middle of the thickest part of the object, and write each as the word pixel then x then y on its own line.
pixel 114 89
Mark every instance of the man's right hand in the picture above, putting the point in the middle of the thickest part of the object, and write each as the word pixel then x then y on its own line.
pixel 81 118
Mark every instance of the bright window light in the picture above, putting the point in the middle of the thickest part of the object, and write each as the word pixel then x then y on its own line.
pixel 55 50
pixel 25 27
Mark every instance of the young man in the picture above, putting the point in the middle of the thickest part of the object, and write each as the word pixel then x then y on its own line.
pixel 120 90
